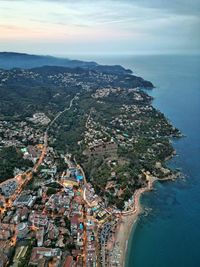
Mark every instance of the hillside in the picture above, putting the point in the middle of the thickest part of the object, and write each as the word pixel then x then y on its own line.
pixel 49 88
pixel 9 60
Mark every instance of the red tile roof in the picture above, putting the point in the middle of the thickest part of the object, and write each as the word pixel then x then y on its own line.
pixel 68 262
pixel 75 219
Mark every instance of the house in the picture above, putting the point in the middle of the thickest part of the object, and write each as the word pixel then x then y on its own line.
pixel 69 262
pixel 74 223
pixel 39 253
pixel 38 219
pixel 3 259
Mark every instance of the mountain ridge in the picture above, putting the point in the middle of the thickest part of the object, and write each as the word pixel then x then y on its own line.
pixel 10 60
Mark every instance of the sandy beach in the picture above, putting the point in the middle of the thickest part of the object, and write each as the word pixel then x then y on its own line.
pixel 127 223
pixel 129 219
pixel 123 234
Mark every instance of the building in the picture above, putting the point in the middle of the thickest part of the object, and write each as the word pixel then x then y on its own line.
pixel 38 219
pixel 5 234
pixel 69 262
pixel 22 230
pixel 24 200
pixel 9 187
pixel 40 236
pixel 74 224
pixel 39 253
pixel 3 259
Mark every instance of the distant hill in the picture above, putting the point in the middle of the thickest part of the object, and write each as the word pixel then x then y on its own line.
pixel 9 60
pixel 48 89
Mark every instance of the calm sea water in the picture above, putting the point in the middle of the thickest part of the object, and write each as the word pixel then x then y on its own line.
pixel 170 235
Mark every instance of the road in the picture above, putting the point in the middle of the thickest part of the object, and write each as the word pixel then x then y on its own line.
pixel 29 174
pixel 60 113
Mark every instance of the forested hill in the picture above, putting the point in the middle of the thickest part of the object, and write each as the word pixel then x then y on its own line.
pixel 49 88
pixel 9 60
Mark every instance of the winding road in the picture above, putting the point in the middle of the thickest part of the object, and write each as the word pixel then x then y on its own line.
pixel 29 174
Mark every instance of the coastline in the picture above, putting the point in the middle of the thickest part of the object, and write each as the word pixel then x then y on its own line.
pixel 123 234
pixel 128 222
pixel 187 163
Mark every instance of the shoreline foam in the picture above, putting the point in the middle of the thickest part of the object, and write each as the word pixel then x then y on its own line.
pixel 129 220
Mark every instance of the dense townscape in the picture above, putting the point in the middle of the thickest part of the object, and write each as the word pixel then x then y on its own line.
pixel 76 145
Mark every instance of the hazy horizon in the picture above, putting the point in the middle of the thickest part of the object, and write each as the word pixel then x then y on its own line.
pixel 68 28
pixel 192 53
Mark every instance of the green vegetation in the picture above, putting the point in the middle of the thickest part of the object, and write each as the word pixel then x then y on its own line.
pixel 149 130
pixel 11 158
pixel 118 112
pixel 51 191
pixel 23 262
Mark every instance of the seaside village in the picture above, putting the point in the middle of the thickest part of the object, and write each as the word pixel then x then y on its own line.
pixel 51 216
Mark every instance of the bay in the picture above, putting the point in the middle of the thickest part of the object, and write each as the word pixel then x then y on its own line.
pixel 170 235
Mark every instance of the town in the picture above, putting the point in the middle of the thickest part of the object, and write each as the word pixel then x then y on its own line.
pixel 75 157
pixel 52 218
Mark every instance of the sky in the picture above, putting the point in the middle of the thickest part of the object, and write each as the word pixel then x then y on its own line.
pixel 66 27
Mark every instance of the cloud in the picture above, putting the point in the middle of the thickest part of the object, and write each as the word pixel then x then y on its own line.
pixel 104 24
pixel 175 6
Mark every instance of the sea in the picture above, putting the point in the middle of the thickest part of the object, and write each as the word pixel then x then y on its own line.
pixel 167 233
